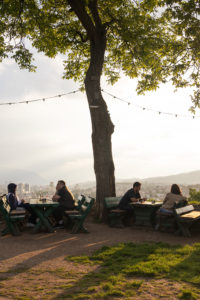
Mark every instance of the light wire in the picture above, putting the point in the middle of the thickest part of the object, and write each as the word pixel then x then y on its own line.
pixel 39 99
pixel 148 108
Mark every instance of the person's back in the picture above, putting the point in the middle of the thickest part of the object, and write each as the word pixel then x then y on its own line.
pixel 11 196
pixel 12 200
pixel 172 199
pixel 66 199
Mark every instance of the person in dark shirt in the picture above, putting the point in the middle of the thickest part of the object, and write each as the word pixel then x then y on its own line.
pixel 66 202
pixel 132 195
pixel 16 204
pixel 11 196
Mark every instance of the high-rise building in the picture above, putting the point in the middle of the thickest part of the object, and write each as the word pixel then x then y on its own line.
pixel 20 188
pixel 51 185
pixel 27 188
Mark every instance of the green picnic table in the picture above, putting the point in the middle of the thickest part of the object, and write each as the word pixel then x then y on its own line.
pixel 43 211
pixel 145 212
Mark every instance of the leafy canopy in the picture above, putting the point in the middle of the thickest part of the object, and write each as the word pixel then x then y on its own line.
pixel 153 41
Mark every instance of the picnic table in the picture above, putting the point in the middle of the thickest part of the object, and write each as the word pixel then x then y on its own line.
pixel 145 212
pixel 43 211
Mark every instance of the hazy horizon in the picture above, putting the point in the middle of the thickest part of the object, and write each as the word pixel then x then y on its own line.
pixel 29 177
pixel 53 138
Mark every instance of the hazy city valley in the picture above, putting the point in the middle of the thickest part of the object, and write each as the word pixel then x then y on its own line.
pixel 149 190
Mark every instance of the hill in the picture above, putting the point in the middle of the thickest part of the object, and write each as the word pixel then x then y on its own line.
pixel 21 176
pixel 182 178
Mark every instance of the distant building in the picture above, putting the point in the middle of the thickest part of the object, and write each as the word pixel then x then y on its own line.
pixel 27 188
pixel 20 188
pixel 51 185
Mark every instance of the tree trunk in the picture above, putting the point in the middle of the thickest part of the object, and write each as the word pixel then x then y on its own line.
pixel 102 126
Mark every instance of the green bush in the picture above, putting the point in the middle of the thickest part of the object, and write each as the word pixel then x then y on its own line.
pixel 194 196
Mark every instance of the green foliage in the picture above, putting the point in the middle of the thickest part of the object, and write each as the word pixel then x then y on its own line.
pixel 151 40
pixel 184 19
pixel 194 196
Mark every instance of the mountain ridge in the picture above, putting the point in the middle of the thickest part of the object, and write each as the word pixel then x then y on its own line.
pixel 23 176
pixel 186 178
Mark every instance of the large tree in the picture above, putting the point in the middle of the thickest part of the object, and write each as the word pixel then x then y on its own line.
pixel 97 37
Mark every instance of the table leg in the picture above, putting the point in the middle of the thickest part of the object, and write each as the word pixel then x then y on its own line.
pixel 43 219
pixel 144 216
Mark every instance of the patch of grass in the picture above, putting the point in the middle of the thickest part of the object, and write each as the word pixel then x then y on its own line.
pixel 23 298
pixel 107 286
pixel 117 265
pixel 133 284
pixel 187 295
pixel 36 271
pixel 80 260
pixel 149 260
pixel 62 273
pixel 82 297
pixel 91 289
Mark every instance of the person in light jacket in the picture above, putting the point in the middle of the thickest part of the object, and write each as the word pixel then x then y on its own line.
pixel 172 198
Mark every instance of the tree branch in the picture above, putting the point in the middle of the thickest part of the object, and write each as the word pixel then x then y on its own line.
pixel 83 39
pixel 93 8
pixel 107 24
pixel 79 8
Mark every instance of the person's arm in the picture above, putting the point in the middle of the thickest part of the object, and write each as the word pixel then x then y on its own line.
pixel 141 199
pixel 134 199
pixel 56 197
pixel 183 200
pixel 144 199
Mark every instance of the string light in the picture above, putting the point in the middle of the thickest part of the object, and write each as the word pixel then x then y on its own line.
pixel 39 99
pixel 95 106
pixel 149 109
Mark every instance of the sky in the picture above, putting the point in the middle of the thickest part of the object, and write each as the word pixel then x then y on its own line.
pixel 53 138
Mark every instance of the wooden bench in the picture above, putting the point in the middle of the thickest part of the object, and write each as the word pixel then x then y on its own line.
pixel 78 216
pixel 11 218
pixel 185 217
pixel 114 213
pixel 167 222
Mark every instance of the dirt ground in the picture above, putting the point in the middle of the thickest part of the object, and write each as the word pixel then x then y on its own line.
pixel 44 246
pixel 35 252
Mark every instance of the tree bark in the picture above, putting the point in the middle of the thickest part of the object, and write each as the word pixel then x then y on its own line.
pixel 102 126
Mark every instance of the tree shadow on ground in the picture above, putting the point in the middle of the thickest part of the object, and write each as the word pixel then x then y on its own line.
pixel 118 266
pixel 31 250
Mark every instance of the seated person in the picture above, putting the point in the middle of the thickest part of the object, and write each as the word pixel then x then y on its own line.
pixel 17 204
pixel 131 195
pixel 172 198
pixel 66 202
